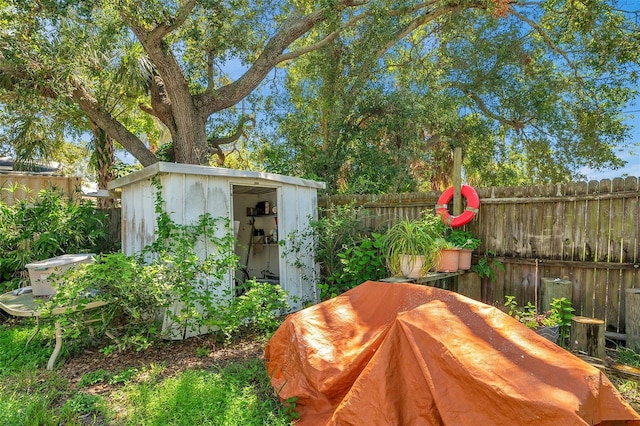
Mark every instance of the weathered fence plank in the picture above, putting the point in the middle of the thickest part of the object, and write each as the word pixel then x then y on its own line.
pixel 580 295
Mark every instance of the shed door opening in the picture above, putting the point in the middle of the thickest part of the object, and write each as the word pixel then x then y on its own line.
pixel 255 215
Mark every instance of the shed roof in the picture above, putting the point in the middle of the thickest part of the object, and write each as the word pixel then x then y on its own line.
pixel 162 167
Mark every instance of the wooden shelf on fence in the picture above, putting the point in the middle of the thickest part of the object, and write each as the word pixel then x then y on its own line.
pixel 569 263
pixel 435 279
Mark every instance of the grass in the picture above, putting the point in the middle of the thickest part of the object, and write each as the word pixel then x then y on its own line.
pixel 229 397
pixel 236 394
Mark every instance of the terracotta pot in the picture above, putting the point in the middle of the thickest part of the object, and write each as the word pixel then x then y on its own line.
pixel 411 266
pixel 465 259
pixel 447 260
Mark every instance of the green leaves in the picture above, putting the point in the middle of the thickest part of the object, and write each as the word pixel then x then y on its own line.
pixel 532 96
pixel 361 262
pixel 170 281
pixel 559 315
pixel 412 238
pixel 532 92
pixel 463 239
pixel 486 266
pixel 564 311
pixel 50 226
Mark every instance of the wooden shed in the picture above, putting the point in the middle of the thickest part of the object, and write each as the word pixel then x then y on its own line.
pixel 263 207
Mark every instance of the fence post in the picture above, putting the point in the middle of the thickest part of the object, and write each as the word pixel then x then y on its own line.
pixel 457 181
pixel 554 288
pixel 632 317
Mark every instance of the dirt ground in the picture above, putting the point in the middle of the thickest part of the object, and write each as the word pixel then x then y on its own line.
pixel 195 353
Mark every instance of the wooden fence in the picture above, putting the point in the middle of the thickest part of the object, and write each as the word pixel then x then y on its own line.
pixel 35 183
pixel 114 218
pixel 588 233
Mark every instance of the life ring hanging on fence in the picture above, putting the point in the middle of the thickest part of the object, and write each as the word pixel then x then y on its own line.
pixel 473 205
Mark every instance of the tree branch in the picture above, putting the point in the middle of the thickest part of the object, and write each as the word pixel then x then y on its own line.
pixel 236 135
pixel 547 40
pixel 216 143
pixel 112 127
pixel 164 28
pixel 482 106
pixel 367 67
pixel 294 27
pixel 159 31
pixel 320 43
pixel 170 77
pixel 91 107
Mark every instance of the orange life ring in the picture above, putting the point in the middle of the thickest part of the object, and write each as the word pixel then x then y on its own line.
pixel 473 205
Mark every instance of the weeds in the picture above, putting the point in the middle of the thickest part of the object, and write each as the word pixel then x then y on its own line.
pixel 628 357
pixel 238 394
pixel 169 282
pixel 83 404
pixel 50 225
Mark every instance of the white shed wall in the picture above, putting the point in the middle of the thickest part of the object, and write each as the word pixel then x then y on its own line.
pixel 138 217
pixel 299 263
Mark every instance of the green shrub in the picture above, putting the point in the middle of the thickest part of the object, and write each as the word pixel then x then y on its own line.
pixel 168 280
pixel 259 310
pixel 486 266
pixel 339 227
pixel 134 299
pixel 49 226
pixel 463 239
pixel 361 262
pixel 347 251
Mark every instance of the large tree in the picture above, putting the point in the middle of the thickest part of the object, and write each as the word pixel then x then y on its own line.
pixel 64 50
pixel 533 92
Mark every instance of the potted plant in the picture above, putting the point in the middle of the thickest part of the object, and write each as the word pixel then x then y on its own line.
pixel 466 242
pixel 448 256
pixel 552 324
pixel 409 245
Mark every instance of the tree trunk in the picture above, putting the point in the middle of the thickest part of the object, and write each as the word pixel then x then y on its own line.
pixel 105 158
pixel 172 100
pixel 189 136
pixel 587 336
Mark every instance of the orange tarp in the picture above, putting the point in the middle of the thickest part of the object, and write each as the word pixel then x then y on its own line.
pixel 404 354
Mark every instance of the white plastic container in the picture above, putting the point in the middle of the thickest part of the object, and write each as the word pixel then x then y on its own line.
pixel 40 271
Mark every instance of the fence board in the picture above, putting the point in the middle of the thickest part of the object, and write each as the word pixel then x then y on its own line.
pixel 557 229
pixel 536 235
pixel 578 277
pixel 591 231
pixel 631 233
pixel 617 293
pixel 581 208
pixel 566 231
